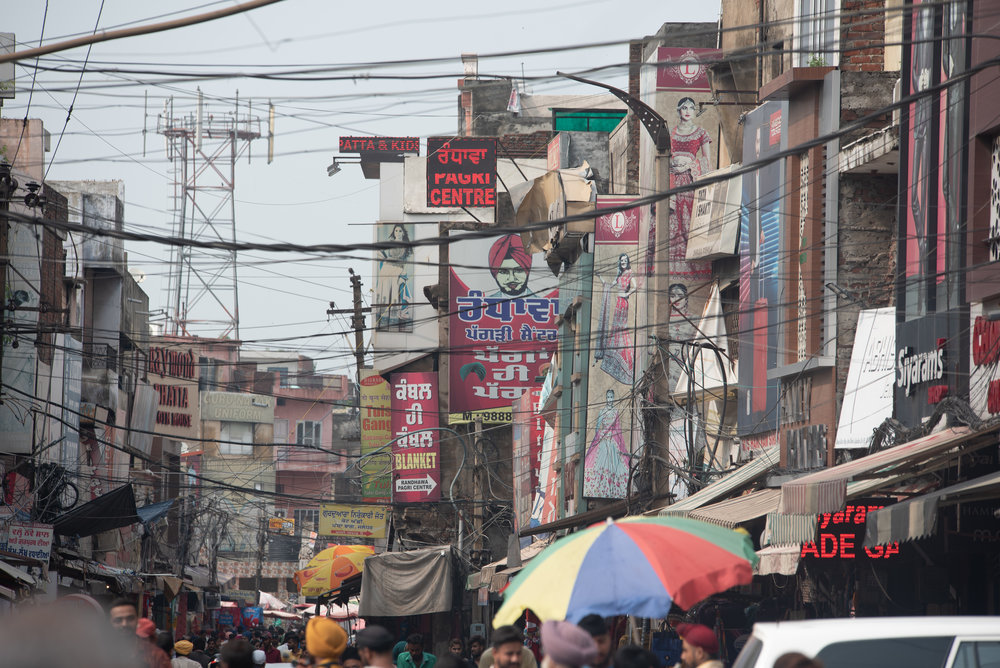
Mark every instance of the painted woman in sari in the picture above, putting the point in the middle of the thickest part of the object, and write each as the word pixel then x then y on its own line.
pixel 614 338
pixel 393 284
pixel 606 464
pixel 689 160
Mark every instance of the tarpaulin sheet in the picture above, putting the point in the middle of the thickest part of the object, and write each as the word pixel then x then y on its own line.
pixel 109 511
pixel 400 584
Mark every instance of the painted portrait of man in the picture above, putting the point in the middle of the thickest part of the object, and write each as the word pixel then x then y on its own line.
pixel 510 265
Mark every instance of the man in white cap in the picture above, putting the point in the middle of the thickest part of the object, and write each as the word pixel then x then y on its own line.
pixel 566 645
pixel 259 658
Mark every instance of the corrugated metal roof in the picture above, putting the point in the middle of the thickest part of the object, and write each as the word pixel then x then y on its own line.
pixel 728 484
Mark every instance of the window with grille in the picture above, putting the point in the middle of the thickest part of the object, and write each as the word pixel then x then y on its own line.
pixel 816 39
pixel 306 520
pixel 308 432
pixel 236 438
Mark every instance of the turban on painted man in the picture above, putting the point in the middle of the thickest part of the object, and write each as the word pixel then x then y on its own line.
pixel 511 247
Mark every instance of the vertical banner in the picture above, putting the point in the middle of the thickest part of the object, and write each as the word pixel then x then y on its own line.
pixel 504 304
pixel 416 467
pixel 760 246
pixel 376 431
pixel 393 307
pixel 528 432
pixel 547 502
pixel 608 444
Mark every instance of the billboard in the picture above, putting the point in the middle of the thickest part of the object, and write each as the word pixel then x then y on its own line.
pixel 173 373
pixel 608 444
pixel 528 433
pixel 760 248
pixel 376 431
pixel 338 519
pixel 684 69
pixel 380 144
pixel 503 307
pixel 416 476
pixel 868 392
pixel 461 172
pixel 394 277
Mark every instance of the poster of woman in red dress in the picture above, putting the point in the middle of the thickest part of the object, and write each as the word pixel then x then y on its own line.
pixel 690 146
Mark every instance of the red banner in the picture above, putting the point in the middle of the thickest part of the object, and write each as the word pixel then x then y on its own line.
pixel 529 429
pixel 415 464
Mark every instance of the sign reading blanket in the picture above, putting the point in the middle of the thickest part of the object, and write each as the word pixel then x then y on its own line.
pixel 503 327
pixel 461 172
pixel 401 584
pixel 416 469
pixel 337 519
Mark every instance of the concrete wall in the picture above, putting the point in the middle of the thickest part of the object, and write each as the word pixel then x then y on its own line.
pixel 863 93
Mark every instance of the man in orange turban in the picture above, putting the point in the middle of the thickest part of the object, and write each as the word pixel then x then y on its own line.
pixel 510 265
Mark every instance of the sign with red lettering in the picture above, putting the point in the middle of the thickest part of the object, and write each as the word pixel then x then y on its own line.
pixel 503 326
pixel 173 373
pixel 416 470
pixel 985 368
pixel 380 145
pixel 27 539
pixel 461 172
pixel 528 432
pixel 842 535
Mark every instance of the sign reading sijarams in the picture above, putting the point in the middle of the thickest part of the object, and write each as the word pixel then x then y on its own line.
pixel 461 172
pixel 380 144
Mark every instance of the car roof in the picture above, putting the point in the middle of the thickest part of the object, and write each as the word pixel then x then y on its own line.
pixel 856 628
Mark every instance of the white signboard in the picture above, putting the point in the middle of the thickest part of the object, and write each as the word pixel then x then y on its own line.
pixel 715 219
pixel 28 539
pixel 868 393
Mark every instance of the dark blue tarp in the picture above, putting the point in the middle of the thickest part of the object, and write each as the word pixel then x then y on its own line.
pixel 154 511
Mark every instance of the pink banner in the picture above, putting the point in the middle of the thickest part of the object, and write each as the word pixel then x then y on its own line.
pixel 416 468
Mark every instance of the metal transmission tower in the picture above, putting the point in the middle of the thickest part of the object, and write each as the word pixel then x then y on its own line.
pixel 203 148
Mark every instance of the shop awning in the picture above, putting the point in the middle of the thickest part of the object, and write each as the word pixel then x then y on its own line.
pixel 776 560
pixel 496 575
pixel 917 517
pixel 744 508
pixel 15 573
pixel 401 584
pixel 109 511
pixel 767 460
pixel 826 490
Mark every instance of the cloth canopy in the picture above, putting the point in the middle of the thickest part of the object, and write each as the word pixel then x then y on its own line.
pixel 401 584
pixel 109 511
pixel 154 511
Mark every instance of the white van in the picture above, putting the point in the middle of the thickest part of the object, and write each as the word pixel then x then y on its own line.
pixel 879 642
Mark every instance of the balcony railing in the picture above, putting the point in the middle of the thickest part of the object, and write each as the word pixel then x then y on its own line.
pixel 100 357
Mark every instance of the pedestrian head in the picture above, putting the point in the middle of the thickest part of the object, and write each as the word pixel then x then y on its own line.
pixel 507 644
pixel 146 629
pixel 183 647
pixel 325 640
pixel 566 645
pixel 165 641
pixel 237 653
pixel 633 656
pixel 699 644
pixel 598 630
pixel 259 658
pixel 455 646
pixel 375 645
pixel 796 660
pixel 351 658
pixel 477 645
pixel 124 615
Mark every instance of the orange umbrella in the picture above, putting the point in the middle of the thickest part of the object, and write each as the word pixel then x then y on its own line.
pixel 331 567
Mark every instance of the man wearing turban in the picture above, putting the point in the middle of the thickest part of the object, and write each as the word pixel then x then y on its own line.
pixel 510 265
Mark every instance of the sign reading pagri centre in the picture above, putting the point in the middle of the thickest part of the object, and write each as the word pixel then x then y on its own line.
pixel 461 172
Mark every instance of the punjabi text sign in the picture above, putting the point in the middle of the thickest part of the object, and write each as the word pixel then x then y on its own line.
pixel 337 519
pixel 415 464
pixel 461 172
pixel 28 539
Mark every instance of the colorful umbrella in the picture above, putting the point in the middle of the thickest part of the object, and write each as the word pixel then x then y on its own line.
pixel 330 567
pixel 634 566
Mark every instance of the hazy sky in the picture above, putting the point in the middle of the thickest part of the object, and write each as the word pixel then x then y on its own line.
pixel 293 199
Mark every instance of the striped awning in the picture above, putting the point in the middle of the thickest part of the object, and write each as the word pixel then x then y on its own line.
pixel 732 512
pixel 917 517
pixel 778 560
pixel 825 491
pixel 723 487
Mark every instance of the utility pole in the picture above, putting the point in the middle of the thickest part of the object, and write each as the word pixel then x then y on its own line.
pixel 261 543
pixel 357 320
pixel 7 187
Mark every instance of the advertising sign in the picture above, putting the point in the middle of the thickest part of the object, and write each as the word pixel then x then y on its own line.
pixel 173 373
pixel 461 172
pixel 282 525
pixel 683 69
pixel 27 539
pixel 226 618
pixel 416 470
pixel 237 407
pixel 547 502
pixel 984 379
pixel 376 431
pixel 528 433
pixel 928 364
pixel 394 277
pixel 715 219
pixel 760 248
pixel 608 443
pixel 502 325
pixel 252 616
pixel 842 535
pixel 868 394
pixel 337 519
pixel 380 144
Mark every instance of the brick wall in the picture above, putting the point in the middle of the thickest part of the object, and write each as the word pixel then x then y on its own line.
pixel 862 36
pixel 533 145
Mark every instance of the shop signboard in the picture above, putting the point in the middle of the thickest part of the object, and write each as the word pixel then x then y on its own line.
pixel 528 428
pixel 927 365
pixel 380 145
pixel 841 535
pixel 31 540
pixel 237 407
pixel 376 431
pixel 715 218
pixel 684 69
pixel 226 618
pixel 173 373
pixel 416 469
pixel 461 172
pixel 984 358
pixel 252 616
pixel 502 325
pixel 338 519
pixel 868 392
pixel 282 525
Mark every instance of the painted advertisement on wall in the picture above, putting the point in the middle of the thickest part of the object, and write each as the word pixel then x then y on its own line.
pixel 504 304
pixel 376 431
pixel 760 247
pixel 393 307
pixel 868 394
pixel 928 364
pixel 528 433
pixel 173 372
pixel 547 504
pixel 984 369
pixel 608 444
pixel 416 467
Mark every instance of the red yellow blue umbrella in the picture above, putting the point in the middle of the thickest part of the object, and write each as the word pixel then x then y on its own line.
pixel 330 567
pixel 636 566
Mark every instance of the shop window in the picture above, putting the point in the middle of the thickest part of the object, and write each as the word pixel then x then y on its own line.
pixel 306 520
pixel 980 654
pixel 308 432
pixel 238 437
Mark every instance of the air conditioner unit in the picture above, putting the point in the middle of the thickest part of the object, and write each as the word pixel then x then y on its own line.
pixel 213 600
